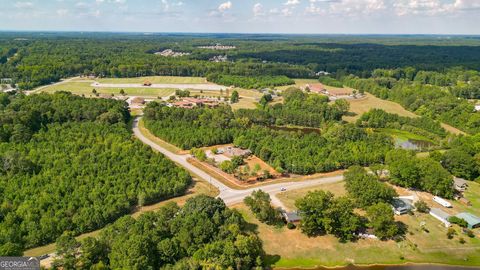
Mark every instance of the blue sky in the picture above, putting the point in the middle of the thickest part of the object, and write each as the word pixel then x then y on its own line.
pixel 247 16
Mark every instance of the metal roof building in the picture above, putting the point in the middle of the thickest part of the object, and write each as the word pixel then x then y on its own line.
pixel 472 220
pixel 440 215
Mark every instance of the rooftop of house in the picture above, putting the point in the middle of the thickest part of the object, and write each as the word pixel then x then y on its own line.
pixel 292 216
pixel 460 181
pixel 316 87
pixel 401 204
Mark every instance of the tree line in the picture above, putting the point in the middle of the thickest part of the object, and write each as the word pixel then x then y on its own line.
pixel 73 166
pixel 203 234
pixel 249 82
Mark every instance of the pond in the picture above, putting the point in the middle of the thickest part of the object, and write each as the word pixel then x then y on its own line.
pixel 304 130
pixel 412 144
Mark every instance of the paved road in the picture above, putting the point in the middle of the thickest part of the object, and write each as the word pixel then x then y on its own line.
pixel 196 86
pixel 39 89
pixel 229 195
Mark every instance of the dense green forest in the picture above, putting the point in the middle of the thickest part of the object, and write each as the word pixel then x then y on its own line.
pixel 203 234
pixel 250 82
pixel 40 58
pixel 337 146
pixel 70 163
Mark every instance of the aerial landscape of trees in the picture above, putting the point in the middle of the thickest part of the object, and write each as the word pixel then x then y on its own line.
pixel 69 163
pixel 203 234
pixel 339 146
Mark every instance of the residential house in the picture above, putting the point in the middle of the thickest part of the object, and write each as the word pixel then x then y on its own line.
pixel 316 88
pixel 292 217
pixel 231 151
pixel 401 206
pixel 460 184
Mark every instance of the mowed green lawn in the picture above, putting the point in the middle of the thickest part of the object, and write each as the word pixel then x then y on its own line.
pixel 85 88
pixel 155 79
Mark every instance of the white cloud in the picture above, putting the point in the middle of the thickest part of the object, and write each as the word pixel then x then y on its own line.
pixel 420 7
pixel 292 2
pixel 356 7
pixel 258 10
pixel 225 6
pixel 23 5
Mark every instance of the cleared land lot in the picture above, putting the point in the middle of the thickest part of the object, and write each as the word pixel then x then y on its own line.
pixel 364 104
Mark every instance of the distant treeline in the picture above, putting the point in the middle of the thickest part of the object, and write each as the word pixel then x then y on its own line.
pixel 44 58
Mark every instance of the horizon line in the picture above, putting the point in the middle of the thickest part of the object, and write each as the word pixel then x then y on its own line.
pixel 235 33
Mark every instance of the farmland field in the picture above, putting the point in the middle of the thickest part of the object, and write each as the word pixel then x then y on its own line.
pixel 85 88
pixel 154 80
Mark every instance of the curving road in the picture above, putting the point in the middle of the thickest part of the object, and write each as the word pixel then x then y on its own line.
pixel 233 196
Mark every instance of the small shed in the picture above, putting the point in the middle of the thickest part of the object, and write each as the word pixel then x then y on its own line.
pixel 441 215
pixel 472 220
pixel 460 184
pixel 292 217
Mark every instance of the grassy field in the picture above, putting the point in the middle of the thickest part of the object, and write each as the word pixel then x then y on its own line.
pixel 418 247
pixel 85 88
pixel 288 198
pixel 299 83
pixel 292 249
pixel 154 80
pixel 403 135
pixel 363 105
